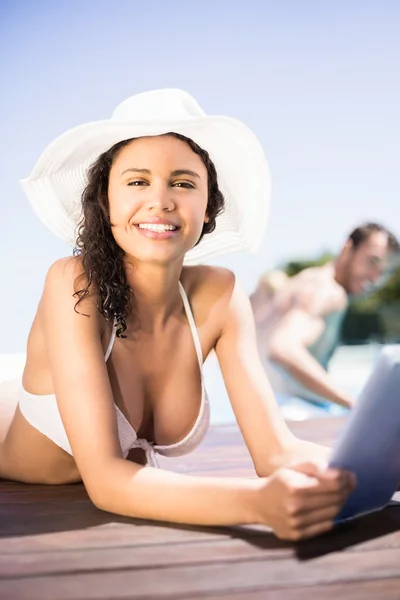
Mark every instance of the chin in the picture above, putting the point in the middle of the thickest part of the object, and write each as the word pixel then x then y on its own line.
pixel 359 292
pixel 160 257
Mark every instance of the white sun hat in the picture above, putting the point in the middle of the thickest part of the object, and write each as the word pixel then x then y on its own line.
pixel 58 179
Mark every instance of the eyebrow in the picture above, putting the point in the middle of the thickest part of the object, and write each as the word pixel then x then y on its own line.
pixel 184 172
pixel 173 174
pixel 135 170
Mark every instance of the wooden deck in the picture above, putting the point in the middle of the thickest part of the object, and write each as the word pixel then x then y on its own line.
pixel 55 545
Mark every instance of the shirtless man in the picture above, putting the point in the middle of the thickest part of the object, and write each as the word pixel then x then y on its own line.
pixel 298 327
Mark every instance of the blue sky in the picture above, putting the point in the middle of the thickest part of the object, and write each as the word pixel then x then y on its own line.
pixel 318 82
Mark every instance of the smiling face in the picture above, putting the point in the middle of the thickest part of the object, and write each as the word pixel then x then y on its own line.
pixel 157 195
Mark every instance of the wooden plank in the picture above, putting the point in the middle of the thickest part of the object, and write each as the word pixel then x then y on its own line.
pixel 90 527
pixel 19 511
pixel 199 551
pixel 65 493
pixel 87 535
pixel 86 527
pixel 152 552
pixel 55 544
pixel 382 589
pixel 185 581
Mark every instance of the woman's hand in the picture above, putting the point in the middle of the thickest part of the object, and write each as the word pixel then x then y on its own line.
pixel 302 501
pixel 300 451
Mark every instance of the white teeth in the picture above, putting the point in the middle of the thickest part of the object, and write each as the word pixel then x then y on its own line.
pixel 157 227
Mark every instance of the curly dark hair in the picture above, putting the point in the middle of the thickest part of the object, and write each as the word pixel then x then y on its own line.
pixel 102 258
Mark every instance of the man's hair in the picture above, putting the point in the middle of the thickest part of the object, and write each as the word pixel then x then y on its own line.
pixel 362 233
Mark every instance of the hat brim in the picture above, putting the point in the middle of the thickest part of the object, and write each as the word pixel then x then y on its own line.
pixel 57 181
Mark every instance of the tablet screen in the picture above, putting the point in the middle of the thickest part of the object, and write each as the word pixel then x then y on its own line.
pixel 369 444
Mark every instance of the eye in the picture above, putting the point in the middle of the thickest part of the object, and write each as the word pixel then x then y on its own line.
pixel 374 261
pixel 137 182
pixel 183 184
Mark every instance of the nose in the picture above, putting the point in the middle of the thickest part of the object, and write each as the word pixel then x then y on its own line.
pixel 160 198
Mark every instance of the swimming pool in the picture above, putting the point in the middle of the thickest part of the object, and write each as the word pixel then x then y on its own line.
pixel 350 367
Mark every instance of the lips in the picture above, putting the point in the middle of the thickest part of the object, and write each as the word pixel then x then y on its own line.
pixel 160 229
pixel 157 224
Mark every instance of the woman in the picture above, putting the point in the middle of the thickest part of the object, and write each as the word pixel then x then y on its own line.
pixel 115 353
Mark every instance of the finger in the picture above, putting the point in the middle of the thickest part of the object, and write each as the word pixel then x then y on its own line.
pixel 311 468
pixel 342 474
pixel 320 469
pixel 314 530
pixel 316 501
pixel 334 483
pixel 313 517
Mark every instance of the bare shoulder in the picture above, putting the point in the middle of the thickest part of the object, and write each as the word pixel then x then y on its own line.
pixel 65 278
pixel 337 295
pixel 65 271
pixel 209 284
pixel 316 291
pixel 60 321
pixel 210 290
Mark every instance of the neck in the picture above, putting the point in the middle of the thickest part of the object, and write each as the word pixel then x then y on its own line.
pixel 156 293
pixel 339 270
pixel 259 296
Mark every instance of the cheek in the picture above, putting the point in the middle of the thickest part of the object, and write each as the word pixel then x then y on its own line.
pixel 201 218
pixel 355 268
pixel 120 206
pixel 113 203
pixel 192 209
pixel 202 207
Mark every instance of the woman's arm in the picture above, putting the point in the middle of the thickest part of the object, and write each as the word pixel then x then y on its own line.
pixel 294 504
pixel 86 406
pixel 270 442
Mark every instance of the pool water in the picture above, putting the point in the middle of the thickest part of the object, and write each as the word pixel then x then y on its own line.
pixel 349 368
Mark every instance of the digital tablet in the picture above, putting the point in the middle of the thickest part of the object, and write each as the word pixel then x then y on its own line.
pixel 369 444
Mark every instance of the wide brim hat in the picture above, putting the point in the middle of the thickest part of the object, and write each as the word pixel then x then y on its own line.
pixel 58 179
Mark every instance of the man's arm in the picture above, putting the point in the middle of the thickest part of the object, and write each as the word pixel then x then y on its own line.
pixel 288 346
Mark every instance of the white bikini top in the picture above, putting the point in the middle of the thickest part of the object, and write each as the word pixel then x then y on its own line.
pixel 41 411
